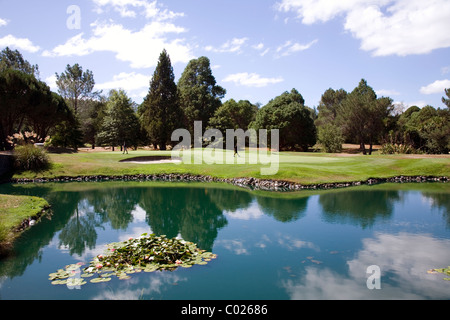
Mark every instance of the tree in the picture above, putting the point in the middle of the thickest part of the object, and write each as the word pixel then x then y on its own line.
pixel 120 123
pixel 91 115
pixel 330 137
pixel 27 103
pixel 234 115
pixel 75 85
pixel 199 95
pixel 361 115
pixel 160 112
pixel 447 101
pixel 288 113
pixel 329 105
pixel 428 128
pixel 14 60
pixel 329 133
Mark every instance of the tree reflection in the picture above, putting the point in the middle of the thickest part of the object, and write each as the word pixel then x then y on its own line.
pixel 362 207
pixel 189 212
pixel 441 201
pixel 79 232
pixel 284 210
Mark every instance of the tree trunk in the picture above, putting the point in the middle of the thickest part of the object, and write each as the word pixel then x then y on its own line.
pixel 371 148
pixel 363 148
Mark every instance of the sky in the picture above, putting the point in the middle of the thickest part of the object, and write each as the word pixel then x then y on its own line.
pixel 258 49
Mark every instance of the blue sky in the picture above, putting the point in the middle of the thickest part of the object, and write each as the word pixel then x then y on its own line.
pixel 258 48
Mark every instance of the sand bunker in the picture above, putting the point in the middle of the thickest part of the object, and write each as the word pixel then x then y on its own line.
pixel 152 160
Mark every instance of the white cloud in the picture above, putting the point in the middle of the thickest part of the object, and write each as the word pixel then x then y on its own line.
pixel 129 9
pixel 289 48
pixel 127 81
pixel 18 43
pixel 385 27
pixel 258 46
pixel 3 22
pixel 387 92
pixel 251 80
pixel 234 45
pixel 51 82
pixel 436 87
pixel 141 48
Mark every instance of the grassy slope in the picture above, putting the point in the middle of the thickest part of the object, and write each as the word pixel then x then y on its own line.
pixel 306 168
pixel 14 210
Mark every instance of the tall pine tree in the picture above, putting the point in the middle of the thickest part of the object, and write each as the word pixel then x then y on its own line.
pixel 161 113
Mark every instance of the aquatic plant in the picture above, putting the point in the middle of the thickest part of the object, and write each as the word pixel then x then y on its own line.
pixel 147 253
pixel 445 271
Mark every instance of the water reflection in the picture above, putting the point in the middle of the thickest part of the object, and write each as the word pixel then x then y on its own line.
pixel 196 214
pixel 403 260
pixel 363 208
pixel 85 213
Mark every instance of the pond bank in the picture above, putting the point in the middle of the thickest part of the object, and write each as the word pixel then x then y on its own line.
pixel 17 213
pixel 247 182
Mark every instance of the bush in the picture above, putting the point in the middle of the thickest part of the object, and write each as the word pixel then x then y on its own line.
pixel 394 148
pixel 330 138
pixel 30 157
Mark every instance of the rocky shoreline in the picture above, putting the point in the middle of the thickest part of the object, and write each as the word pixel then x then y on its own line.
pixel 250 183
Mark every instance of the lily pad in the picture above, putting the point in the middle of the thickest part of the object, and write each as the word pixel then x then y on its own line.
pixel 147 253
pixel 73 282
pixel 100 279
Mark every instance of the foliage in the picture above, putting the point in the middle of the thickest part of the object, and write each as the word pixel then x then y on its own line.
pixel 27 103
pixel 161 113
pixel 91 114
pixel 199 94
pixel 330 137
pixel 427 129
pixel 14 60
pixel 147 253
pixel 361 115
pixel 120 123
pixel 288 114
pixel 394 148
pixel 329 106
pixel 29 157
pixel 74 84
pixel 446 101
pixel 234 115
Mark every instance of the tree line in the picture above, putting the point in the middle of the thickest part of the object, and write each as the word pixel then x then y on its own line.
pixel 78 116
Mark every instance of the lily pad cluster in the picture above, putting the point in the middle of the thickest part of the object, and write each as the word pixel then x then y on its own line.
pixel 147 253
pixel 445 271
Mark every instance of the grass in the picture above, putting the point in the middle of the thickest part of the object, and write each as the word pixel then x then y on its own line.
pixel 13 211
pixel 304 168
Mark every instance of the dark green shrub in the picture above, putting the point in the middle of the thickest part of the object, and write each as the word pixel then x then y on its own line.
pixel 330 138
pixel 30 157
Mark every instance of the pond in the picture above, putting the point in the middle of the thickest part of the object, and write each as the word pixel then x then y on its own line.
pixel 276 246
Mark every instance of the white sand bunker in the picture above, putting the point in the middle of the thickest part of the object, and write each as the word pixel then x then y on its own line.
pixel 152 160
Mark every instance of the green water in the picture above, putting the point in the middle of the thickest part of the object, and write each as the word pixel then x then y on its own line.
pixel 269 245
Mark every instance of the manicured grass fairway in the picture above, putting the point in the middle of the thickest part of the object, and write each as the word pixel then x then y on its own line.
pixel 305 168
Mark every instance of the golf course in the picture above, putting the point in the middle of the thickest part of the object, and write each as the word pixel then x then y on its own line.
pixel 297 167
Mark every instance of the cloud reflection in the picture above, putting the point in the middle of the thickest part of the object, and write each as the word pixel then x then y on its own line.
pixel 403 258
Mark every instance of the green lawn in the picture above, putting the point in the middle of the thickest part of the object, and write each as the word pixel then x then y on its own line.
pixel 305 168
pixel 13 211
